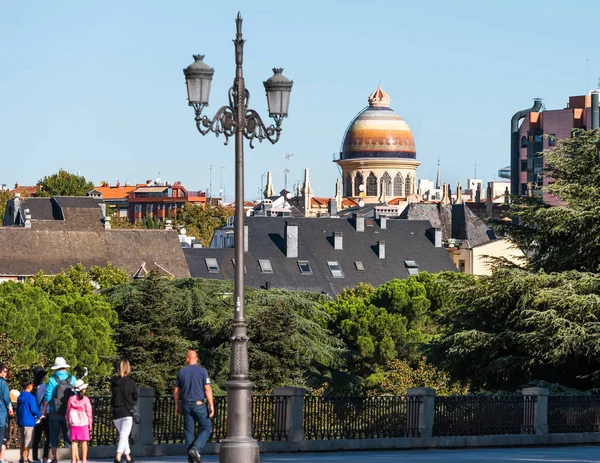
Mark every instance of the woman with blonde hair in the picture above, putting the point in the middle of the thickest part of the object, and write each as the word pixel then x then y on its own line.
pixel 124 399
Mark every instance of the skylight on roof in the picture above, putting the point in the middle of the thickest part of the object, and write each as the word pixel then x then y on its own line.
pixel 304 267
pixel 335 269
pixel 412 267
pixel 265 265
pixel 359 266
pixel 211 264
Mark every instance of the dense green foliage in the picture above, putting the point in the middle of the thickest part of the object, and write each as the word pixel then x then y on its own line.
pixel 5 196
pixel 201 221
pixel 42 326
pixel 64 183
pixel 564 237
pixel 515 326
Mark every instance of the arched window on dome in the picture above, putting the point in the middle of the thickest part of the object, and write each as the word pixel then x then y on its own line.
pixel 408 186
pixel 371 185
pixel 523 142
pixel 358 181
pixel 386 184
pixel 348 185
pixel 398 184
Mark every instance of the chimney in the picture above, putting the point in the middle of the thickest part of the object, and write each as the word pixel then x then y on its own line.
pixel 437 237
pixel 489 201
pixel 245 238
pixel 445 194
pixel 478 194
pixel 16 186
pixel 27 220
pixel 107 223
pixel 506 196
pixel 383 223
pixel 595 110
pixel 458 194
pixel 337 241
pixel 168 224
pixel 381 246
pixel 332 207
pixel 291 240
pixel 359 223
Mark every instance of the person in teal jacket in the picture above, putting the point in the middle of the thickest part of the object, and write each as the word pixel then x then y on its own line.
pixel 56 418
pixel 6 409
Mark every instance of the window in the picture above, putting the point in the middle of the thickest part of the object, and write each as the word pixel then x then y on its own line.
pixel 461 266
pixel 265 265
pixel 335 269
pixel 304 267
pixel 359 266
pixel 523 142
pixel 348 185
pixel 408 186
pixel 523 165
pixel 538 138
pixel 233 262
pixel 412 267
pixel 398 185
pixel 371 185
pixel 551 139
pixel 369 222
pixel 358 181
pixel 386 184
pixel 211 265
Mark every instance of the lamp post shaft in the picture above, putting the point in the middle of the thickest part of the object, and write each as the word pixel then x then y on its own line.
pixel 239 446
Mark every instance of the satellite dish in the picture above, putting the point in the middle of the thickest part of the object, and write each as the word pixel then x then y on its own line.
pixel 182 231
pixel 361 188
pixel 361 203
pixel 288 195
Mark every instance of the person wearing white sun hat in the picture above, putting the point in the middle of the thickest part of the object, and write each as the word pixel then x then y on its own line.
pixel 59 389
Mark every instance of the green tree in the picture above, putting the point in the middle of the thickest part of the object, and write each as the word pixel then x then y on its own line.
pixel 400 375
pixel 564 237
pixel 5 196
pixel 514 326
pixel 148 333
pixel 381 324
pixel 43 326
pixel 64 183
pixel 108 276
pixel 201 221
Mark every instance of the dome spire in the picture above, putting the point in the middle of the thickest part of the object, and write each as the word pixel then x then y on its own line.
pixel 379 98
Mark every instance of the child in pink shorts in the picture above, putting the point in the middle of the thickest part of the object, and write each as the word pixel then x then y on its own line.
pixel 79 421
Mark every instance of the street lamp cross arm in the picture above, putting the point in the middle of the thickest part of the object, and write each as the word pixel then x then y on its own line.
pixel 222 123
pixel 255 129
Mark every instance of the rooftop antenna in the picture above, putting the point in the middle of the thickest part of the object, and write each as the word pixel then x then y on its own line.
pixel 475 170
pixel 286 171
pixel 222 190
pixel 587 68
pixel 262 183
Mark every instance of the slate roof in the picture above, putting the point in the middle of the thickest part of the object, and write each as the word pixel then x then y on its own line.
pixel 26 251
pixel 404 240
pixel 59 213
pixel 456 221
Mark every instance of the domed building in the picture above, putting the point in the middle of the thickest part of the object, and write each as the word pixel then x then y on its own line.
pixel 378 157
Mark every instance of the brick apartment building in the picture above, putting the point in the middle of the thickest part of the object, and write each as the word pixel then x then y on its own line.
pixel 154 199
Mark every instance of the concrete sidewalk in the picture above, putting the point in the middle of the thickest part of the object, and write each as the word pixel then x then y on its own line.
pixel 579 454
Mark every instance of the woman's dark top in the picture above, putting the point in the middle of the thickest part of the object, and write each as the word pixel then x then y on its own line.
pixel 124 396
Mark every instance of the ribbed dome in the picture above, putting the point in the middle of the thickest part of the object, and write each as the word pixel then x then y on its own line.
pixel 378 132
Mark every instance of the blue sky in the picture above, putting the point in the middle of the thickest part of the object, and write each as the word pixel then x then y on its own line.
pixel 97 87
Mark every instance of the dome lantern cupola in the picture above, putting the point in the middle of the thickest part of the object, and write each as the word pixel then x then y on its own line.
pixel 379 98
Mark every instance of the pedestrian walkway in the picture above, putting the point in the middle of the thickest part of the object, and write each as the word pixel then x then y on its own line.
pixel 583 454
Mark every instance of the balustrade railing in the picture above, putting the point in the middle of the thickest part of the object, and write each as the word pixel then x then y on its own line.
pixel 483 415
pixel 574 413
pixel 357 417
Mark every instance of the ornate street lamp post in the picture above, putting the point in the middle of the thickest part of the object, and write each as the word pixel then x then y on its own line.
pixel 236 119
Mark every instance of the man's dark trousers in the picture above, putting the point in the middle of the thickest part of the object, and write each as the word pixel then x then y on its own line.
pixel 192 414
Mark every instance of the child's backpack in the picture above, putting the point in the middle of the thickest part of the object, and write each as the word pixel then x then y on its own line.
pixel 62 392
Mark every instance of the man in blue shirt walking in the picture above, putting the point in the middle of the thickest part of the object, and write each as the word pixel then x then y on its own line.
pixel 191 394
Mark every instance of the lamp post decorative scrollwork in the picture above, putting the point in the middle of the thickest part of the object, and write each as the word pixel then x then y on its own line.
pixel 237 120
